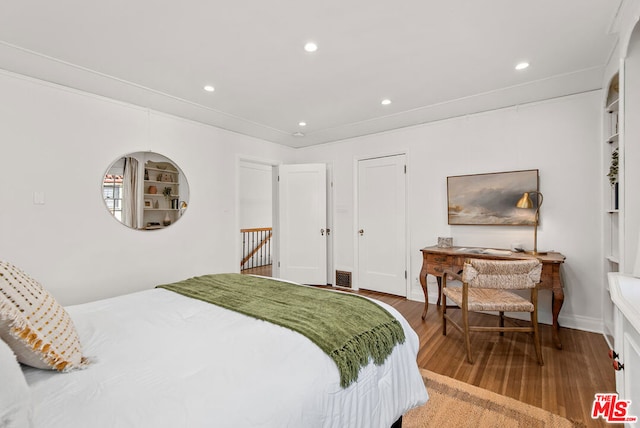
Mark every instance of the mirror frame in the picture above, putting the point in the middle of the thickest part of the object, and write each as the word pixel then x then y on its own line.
pixel 158 185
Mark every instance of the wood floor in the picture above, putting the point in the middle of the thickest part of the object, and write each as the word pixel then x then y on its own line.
pixel 507 365
pixel 260 270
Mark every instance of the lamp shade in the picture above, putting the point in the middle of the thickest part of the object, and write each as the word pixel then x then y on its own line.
pixel 525 202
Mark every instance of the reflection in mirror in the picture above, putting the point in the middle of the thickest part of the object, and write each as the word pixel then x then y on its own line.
pixel 145 191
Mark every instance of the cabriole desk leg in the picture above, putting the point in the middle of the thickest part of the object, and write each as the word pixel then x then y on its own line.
pixel 557 301
pixel 423 282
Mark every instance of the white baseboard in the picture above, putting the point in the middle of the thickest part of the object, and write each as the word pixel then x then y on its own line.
pixel 579 322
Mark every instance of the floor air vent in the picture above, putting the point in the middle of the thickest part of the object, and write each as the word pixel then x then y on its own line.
pixel 343 279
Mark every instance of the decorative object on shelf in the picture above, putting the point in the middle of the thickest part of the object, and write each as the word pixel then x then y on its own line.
pixel 165 177
pixel 167 220
pixel 613 168
pixel 487 199
pixel 153 190
pixel 156 204
pixel 148 203
pixel 146 174
pixel 166 192
pixel 183 207
pixel 445 242
pixel 525 202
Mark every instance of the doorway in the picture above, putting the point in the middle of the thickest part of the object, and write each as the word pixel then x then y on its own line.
pixel 255 217
pixel 283 213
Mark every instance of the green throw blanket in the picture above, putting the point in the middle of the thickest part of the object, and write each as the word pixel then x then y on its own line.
pixel 348 328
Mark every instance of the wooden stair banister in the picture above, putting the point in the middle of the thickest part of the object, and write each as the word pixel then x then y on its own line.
pixel 260 245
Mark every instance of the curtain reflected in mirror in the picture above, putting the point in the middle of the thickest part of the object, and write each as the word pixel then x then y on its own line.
pixel 130 195
pixel 145 191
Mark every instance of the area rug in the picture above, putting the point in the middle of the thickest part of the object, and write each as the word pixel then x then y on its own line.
pixel 456 404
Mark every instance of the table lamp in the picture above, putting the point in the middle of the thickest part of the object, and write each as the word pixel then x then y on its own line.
pixel 526 203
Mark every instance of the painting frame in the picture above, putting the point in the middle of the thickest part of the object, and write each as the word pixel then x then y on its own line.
pixel 489 199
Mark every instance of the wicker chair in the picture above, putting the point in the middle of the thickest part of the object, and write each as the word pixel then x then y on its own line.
pixel 485 285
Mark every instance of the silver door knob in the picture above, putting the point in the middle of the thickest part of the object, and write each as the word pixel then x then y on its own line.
pixel 322 232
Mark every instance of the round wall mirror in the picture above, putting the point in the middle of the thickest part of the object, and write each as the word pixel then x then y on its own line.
pixel 145 191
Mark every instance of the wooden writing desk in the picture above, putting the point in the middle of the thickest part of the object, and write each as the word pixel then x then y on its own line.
pixel 436 260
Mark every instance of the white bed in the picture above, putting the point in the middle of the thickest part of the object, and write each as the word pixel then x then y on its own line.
pixel 165 360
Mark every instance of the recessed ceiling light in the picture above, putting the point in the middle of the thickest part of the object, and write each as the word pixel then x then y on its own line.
pixel 385 102
pixel 310 47
pixel 302 123
pixel 209 88
pixel 522 66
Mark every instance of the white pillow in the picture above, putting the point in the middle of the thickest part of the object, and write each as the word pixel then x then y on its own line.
pixel 15 397
pixel 36 327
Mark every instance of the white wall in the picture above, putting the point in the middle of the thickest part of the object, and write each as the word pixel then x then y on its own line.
pixel 60 142
pixel 559 137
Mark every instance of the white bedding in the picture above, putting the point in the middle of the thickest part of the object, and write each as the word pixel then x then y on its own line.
pixel 165 360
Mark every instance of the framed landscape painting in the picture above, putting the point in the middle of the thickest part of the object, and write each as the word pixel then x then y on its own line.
pixel 490 199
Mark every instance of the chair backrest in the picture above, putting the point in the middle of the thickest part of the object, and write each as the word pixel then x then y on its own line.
pixel 511 274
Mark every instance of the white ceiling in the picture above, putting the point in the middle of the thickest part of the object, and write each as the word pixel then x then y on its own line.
pixel 432 59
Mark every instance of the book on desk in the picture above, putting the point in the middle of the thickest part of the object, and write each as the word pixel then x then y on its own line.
pixel 491 251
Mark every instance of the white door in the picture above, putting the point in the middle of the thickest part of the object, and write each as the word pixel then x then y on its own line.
pixel 302 223
pixel 381 225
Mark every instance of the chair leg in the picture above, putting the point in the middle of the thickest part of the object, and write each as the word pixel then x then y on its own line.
pixel 444 314
pixel 467 339
pixel 501 322
pixel 534 322
pixel 536 338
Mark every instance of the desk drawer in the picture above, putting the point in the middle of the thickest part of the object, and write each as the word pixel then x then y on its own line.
pixel 550 276
pixel 439 259
pixel 438 263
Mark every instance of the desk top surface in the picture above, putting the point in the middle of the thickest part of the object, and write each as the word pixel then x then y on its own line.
pixel 493 253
